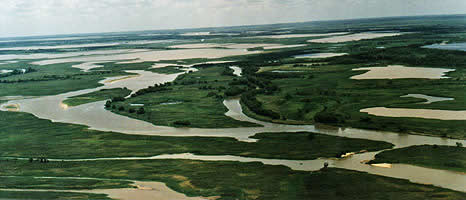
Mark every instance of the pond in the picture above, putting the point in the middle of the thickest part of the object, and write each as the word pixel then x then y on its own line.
pixel 452 46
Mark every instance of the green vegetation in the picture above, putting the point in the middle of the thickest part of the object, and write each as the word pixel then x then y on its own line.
pixel 97 96
pixel 49 195
pixel 432 156
pixel 235 180
pixel 50 79
pixel 193 100
pixel 167 70
pixel 320 90
pixel 24 182
pixel 25 138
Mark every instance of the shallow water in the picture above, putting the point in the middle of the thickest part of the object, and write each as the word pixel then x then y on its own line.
pixel 96 117
pixel 60 46
pixel 89 65
pixel 236 70
pixel 4 71
pixel 429 99
pixel 417 113
pixel 353 37
pixel 299 35
pixel 145 190
pixel 63 55
pixel 452 46
pixel 400 72
pixel 146 55
pixel 447 179
pixel 223 45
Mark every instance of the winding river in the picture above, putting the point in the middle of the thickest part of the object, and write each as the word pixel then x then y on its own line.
pixel 96 117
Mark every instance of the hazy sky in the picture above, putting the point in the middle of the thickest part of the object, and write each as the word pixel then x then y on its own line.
pixel 43 17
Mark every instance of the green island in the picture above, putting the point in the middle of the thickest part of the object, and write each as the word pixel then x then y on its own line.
pixel 193 100
pixel 50 79
pixel 432 156
pixel 167 70
pixel 67 141
pixel 100 95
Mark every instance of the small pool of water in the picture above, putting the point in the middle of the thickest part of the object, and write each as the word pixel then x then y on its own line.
pixel 429 99
pixel 452 46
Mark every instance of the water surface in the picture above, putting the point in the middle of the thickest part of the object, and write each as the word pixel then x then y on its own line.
pixel 401 72
pixel 452 46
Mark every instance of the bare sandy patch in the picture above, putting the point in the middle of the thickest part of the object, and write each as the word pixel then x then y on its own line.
pixel 417 113
pixel 353 37
pixel 383 165
pixel 399 72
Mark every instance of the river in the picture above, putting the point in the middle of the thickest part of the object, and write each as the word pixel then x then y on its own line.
pixel 96 117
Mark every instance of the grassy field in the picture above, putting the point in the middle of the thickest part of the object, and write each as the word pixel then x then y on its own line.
pixel 192 100
pixel 24 182
pixel 234 180
pixel 100 95
pixel 49 195
pixel 432 156
pixel 26 138
pixel 323 87
pixel 50 79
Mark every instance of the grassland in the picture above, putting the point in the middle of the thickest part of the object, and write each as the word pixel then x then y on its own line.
pixel 432 156
pixel 50 80
pixel 49 195
pixel 26 138
pixel 25 182
pixel 100 95
pixel 323 88
pixel 234 180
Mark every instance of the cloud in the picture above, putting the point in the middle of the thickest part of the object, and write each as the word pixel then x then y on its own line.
pixel 32 17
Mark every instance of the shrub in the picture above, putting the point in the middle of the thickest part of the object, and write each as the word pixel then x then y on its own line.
pixel 115 99
pixel 328 117
pixel 182 123
pixel 141 111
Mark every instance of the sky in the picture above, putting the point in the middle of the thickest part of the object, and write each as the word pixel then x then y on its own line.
pixel 49 17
